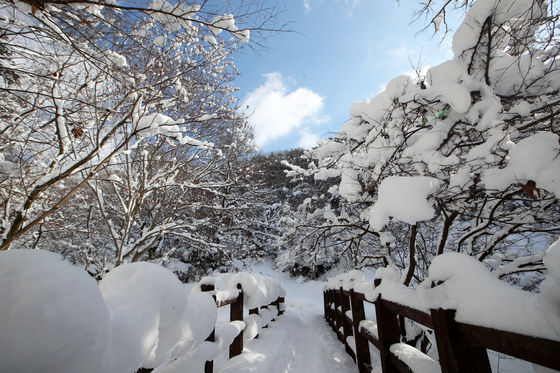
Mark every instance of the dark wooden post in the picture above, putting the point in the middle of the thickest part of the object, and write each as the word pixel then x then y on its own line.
pixel 363 359
pixel 236 314
pixel 332 309
pixel 280 303
pixel 209 366
pixel 388 330
pixel 337 315
pixel 276 304
pixel 346 325
pixel 325 305
pixel 455 355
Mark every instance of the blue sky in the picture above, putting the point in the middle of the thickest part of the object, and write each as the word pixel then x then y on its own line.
pixel 342 51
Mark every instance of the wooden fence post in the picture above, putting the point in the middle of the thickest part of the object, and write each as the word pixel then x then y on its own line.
pixel 209 365
pixel 326 305
pixel 363 358
pixel 388 330
pixel 346 325
pixel 338 317
pixel 455 355
pixel 280 304
pixel 276 304
pixel 332 300
pixel 236 314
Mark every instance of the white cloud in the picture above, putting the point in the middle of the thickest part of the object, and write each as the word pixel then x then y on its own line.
pixel 307 6
pixel 275 111
pixel 308 139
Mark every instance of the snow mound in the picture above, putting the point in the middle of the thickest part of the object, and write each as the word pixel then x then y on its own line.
pixel 143 299
pixel 52 316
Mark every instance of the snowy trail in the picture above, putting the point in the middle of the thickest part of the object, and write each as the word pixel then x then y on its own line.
pixel 299 341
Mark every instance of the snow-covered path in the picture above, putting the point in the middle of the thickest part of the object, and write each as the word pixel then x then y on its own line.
pixel 299 341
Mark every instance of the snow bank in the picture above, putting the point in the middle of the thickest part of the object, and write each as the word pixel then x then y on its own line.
pixel 52 316
pixel 55 318
pixel 142 298
pixel 194 361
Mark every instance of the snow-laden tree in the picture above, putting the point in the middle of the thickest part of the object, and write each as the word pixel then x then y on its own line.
pixel 466 157
pixel 126 106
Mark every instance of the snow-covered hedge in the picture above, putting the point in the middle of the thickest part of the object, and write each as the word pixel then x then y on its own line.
pixel 466 285
pixel 54 317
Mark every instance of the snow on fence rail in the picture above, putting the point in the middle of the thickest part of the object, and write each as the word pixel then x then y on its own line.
pixel 526 331
pixel 263 297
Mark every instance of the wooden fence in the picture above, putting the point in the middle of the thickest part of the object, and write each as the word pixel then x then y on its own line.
pixel 461 347
pixel 236 314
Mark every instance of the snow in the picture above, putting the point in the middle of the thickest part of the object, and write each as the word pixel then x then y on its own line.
pixel 403 198
pixel 350 187
pixel 534 158
pixel 227 333
pixel 416 360
pixel 456 95
pixel 191 329
pixel 481 299
pixel 55 318
pixel 298 341
pixel 248 283
pixel 115 178
pixel 548 301
pixel 223 22
pixel 141 315
pixel 370 326
pixel 52 316
pixel 253 326
pixel 194 361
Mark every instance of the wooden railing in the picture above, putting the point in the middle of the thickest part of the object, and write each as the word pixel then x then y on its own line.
pixel 236 314
pixel 461 347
